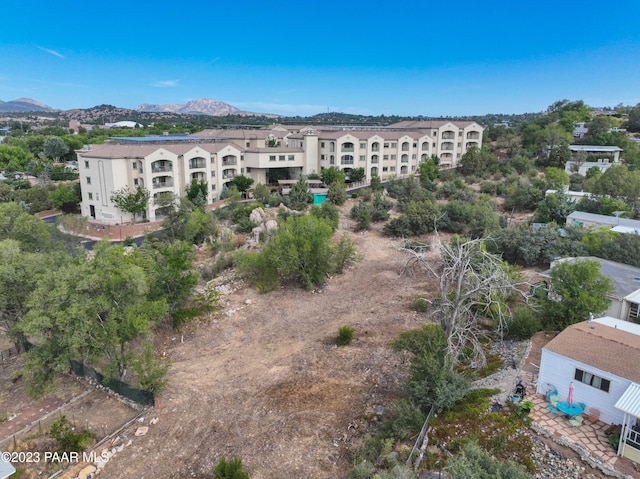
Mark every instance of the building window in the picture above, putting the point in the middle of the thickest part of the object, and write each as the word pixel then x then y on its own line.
pixel 385 157
pixel 414 156
pixel 272 157
pixel 248 170
pixel 90 196
pixel 86 164
pixel 393 157
pixel 135 181
pixel 88 180
pixel 322 144
pixel 363 158
pixel 460 133
pixel 394 145
pixel 135 165
pixel 213 174
pixel 213 187
pixel 291 158
pixel 385 169
pixel 392 168
pixel 386 145
pixel 592 380
pixel 322 157
pixel 247 144
pixel 281 157
pixel 459 145
pixel 363 145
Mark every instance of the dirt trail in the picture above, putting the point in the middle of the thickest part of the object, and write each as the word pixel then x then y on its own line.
pixel 265 381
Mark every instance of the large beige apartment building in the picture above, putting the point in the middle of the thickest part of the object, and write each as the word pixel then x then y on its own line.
pixel 170 164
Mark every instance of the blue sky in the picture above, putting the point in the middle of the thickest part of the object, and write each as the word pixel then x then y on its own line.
pixel 302 58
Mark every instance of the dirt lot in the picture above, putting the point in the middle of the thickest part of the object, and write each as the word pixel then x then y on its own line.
pixel 264 381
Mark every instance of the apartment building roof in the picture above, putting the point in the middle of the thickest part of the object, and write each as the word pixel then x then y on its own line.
pixel 366 134
pixel 111 150
pixel 424 124
pixel 212 134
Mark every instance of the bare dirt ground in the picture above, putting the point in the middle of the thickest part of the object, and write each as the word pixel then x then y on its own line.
pixel 266 382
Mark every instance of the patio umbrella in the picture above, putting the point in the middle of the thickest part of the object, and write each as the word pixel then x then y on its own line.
pixel 570 396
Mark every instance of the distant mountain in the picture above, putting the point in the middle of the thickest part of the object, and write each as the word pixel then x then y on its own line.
pixel 23 104
pixel 203 106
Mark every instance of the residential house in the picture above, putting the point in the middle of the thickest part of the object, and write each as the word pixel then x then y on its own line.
pixel 614 223
pixel 600 358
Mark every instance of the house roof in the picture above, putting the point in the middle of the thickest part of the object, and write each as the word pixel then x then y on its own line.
pixel 604 219
pixel 607 348
pixel 629 402
pixel 6 469
pixel 595 148
pixel 625 278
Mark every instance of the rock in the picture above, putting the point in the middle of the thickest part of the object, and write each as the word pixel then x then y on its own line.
pixel 87 472
pixel 142 431
pixel 154 421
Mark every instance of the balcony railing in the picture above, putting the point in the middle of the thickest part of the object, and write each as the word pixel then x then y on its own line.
pixel 163 184
pixel 448 135
pixel 347 149
pixel 162 168
pixel 197 164
pixel 228 176
pixel 230 162
pixel 473 135
pixel 347 162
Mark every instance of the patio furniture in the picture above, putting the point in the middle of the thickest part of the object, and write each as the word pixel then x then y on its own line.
pixel 551 392
pixel 576 421
pixel 552 409
pixel 593 414
pixel 569 409
pixel 582 405
pixel 553 399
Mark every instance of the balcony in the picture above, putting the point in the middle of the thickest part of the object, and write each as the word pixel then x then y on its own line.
pixel 197 163
pixel 233 161
pixel 375 159
pixel 161 168
pixel 473 135
pixel 470 144
pixel 404 159
pixel 405 146
pixel 346 160
pixel 168 183
pixel 347 147
pixel 448 135
pixel 447 146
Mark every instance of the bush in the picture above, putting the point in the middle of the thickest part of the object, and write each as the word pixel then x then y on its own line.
pixel 68 441
pixel 345 336
pixel 524 323
pixel 420 304
pixel 362 214
pixel 230 470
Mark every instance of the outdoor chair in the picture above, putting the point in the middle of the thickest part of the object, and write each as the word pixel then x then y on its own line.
pixel 576 421
pixel 583 406
pixel 553 399
pixel 593 414
pixel 552 409
pixel 553 392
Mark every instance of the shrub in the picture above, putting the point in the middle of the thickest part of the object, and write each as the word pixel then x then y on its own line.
pixel 230 470
pixel 362 214
pixel 68 441
pixel 345 336
pixel 420 304
pixel 524 323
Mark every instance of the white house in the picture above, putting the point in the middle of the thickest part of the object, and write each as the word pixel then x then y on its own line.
pixel 600 358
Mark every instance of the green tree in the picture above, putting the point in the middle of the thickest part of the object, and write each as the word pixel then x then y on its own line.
pixel 30 231
pixel 331 175
pixel 428 171
pixel 151 369
pixel 556 178
pixel 337 193
pixel 300 196
pixel 242 183
pixel 54 149
pixel 577 289
pixel 14 158
pixel 261 193
pixel 197 192
pixel 554 208
pixel 357 174
pixel 131 202
pixel 301 250
pixel 63 193
pixel 91 310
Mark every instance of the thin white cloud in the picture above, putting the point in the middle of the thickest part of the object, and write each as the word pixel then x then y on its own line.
pixel 52 52
pixel 165 83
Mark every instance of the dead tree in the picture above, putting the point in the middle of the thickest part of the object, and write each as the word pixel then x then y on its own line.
pixel 474 284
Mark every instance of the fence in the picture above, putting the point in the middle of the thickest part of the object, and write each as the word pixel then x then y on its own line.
pixel 120 387
pixel 13 352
